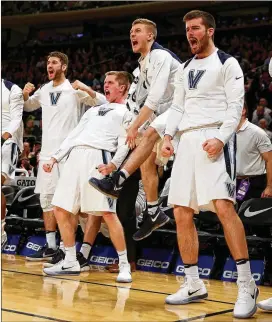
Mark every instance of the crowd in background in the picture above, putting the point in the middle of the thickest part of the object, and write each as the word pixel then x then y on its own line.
pixel 90 61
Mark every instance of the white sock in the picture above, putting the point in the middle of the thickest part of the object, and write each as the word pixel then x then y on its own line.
pixel 152 206
pixel 122 178
pixel 192 271
pixel 86 249
pixel 123 257
pixel 61 246
pixel 51 239
pixel 243 269
pixel 70 254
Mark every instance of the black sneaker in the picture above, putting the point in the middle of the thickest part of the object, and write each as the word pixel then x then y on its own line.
pixel 44 254
pixel 83 262
pixel 151 224
pixel 59 256
pixel 108 185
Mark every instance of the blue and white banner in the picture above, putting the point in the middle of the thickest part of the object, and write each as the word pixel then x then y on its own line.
pixel 12 244
pixel 205 265
pixel 155 260
pixel 33 245
pixel 103 255
pixel 230 271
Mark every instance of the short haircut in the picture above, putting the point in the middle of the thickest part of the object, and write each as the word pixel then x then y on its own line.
pixel 150 24
pixel 207 18
pixel 62 57
pixel 122 77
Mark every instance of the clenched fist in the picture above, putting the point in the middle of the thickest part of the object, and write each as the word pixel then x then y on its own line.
pixel 29 88
pixel 79 85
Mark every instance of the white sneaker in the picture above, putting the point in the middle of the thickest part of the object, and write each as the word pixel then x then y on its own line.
pixel 124 275
pixel 190 291
pixel 245 305
pixel 266 304
pixel 63 268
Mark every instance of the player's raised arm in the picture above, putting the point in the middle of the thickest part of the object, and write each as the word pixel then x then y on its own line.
pixel 87 95
pixel 234 90
pixel 177 107
pixel 16 109
pixel 31 103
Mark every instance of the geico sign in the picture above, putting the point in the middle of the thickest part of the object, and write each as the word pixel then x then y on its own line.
pixel 152 263
pixel 104 260
pixel 234 275
pixel 33 246
pixel 10 248
pixel 202 271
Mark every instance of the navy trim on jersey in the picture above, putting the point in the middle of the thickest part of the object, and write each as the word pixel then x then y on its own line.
pixel 158 46
pixel 223 56
pixel 187 63
pixel 44 84
pixel 8 84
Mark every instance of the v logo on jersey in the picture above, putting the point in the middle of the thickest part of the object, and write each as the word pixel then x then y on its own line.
pixel 54 97
pixel 193 79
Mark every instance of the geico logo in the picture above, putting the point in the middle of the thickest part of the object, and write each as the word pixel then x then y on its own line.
pixel 10 248
pixel 234 275
pixel 26 183
pixel 202 271
pixel 152 263
pixel 104 260
pixel 33 246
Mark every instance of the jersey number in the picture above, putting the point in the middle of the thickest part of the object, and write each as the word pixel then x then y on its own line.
pixel 193 79
pixel 54 97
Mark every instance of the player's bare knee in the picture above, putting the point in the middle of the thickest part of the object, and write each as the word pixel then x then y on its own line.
pixel 3 179
pixel 183 215
pixel 151 135
pixel 225 209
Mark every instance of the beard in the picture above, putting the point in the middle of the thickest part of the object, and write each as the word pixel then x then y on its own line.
pixel 201 46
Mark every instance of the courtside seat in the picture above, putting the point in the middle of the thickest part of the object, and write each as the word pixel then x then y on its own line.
pixel 256 212
pixel 10 193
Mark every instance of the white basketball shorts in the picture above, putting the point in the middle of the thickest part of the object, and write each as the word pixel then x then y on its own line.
pixel 196 180
pixel 46 182
pixel 73 192
pixel 10 154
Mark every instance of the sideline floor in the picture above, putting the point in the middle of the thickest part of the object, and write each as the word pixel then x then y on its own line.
pixel 27 295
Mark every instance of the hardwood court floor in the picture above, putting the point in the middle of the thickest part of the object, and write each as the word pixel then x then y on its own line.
pixel 27 295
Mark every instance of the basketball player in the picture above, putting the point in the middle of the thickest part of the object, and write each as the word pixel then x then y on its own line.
pixel 206 110
pixel 101 131
pixel 62 109
pixel 11 139
pixel 152 96
pixel 267 304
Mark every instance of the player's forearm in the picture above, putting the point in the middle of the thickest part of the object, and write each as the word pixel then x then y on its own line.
pixel 31 105
pixel 120 155
pixel 231 122
pixel 268 166
pixel 144 115
pixel 173 120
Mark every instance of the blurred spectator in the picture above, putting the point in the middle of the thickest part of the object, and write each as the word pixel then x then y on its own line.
pixel 263 125
pixel 261 112
pixel 26 151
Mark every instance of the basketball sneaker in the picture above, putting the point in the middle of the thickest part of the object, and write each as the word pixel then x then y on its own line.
pixel 265 304
pixel 190 291
pixel 63 268
pixel 151 223
pixel 109 185
pixel 245 305
pixel 83 262
pixel 124 275
pixel 59 256
pixel 44 254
